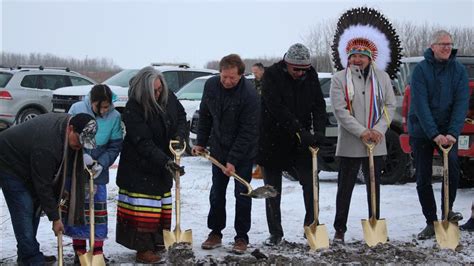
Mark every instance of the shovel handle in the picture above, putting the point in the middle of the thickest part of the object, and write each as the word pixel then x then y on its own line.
pixel 91 208
pixel 177 158
pixel 314 160
pixel 445 151
pixel 207 155
pixel 373 191
pixel 60 249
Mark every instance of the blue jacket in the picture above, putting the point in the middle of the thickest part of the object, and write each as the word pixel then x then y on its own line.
pixel 109 137
pixel 439 97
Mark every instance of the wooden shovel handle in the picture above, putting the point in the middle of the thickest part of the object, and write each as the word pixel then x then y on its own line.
pixel 446 179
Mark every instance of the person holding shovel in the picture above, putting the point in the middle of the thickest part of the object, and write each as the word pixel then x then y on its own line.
pixel 35 159
pixel 293 118
pixel 153 116
pixel 228 117
pixel 364 102
pixel 98 103
pixel 438 107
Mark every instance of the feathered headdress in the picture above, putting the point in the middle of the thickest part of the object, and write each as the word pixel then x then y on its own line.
pixel 365 30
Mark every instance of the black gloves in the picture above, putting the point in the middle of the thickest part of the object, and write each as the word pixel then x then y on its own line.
pixel 173 167
pixel 181 142
pixel 306 139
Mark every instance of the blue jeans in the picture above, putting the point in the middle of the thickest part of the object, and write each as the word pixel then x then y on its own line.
pixel 423 158
pixel 216 219
pixel 24 219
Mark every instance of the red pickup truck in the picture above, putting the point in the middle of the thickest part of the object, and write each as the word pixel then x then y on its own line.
pixel 466 139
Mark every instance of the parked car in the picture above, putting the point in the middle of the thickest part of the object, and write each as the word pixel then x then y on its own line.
pixel 465 141
pixel 26 91
pixel 175 75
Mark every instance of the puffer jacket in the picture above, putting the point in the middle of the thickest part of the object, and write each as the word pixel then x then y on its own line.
pixel 439 97
pixel 108 138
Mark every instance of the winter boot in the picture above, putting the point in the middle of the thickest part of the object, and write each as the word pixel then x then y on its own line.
pixel 272 240
pixel 427 233
pixel 213 241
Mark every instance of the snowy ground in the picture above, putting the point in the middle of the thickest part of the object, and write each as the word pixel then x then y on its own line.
pixel 399 206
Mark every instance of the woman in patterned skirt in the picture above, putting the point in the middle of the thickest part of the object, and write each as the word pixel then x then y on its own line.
pixel 153 116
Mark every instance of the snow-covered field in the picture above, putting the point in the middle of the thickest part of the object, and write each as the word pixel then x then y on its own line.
pixel 399 206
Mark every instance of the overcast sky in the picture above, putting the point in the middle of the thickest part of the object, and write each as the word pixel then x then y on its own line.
pixel 136 33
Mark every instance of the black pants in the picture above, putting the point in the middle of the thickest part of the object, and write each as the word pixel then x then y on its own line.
pixel 272 176
pixel 346 179
pixel 423 159
pixel 216 220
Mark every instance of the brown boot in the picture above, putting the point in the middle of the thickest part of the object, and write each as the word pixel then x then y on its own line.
pixel 147 257
pixel 257 174
pixel 339 237
pixel 240 246
pixel 213 241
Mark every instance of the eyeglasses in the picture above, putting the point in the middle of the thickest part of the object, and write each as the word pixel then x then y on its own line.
pixel 296 69
pixel 445 45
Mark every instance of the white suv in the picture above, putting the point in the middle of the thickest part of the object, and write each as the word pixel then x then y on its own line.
pixel 26 91
pixel 175 75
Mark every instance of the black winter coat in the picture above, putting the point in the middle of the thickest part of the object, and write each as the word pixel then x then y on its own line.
pixel 146 147
pixel 288 106
pixel 229 118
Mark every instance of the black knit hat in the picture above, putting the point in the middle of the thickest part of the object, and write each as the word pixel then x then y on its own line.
pixel 86 126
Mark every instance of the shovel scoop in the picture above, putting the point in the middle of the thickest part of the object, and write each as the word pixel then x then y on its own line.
pixel 177 236
pixel 447 233
pixel 316 234
pixel 264 192
pixel 375 230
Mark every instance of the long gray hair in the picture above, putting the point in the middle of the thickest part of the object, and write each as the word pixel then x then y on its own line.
pixel 141 90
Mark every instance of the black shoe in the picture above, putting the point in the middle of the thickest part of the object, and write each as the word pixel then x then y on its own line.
pixel 454 217
pixel 48 259
pixel 468 226
pixel 273 240
pixel 338 237
pixel 427 233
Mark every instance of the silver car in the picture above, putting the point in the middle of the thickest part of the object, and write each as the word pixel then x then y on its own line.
pixel 26 91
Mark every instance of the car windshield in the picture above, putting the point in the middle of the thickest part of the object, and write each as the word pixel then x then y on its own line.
pixel 122 78
pixel 192 91
pixel 4 78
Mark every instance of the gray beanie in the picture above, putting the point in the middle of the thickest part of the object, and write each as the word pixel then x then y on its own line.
pixel 298 55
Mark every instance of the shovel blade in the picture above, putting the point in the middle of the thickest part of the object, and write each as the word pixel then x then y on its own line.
pixel 177 237
pixel 447 234
pixel 89 259
pixel 375 231
pixel 317 236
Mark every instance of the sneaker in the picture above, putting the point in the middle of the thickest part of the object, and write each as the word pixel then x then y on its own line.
pixel 240 246
pixel 213 241
pixel 273 240
pixel 339 237
pixel 427 233
pixel 147 257
pixel 468 226
pixel 454 217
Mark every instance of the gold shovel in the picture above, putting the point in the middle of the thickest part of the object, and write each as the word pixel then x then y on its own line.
pixel 264 192
pixel 375 231
pixel 447 233
pixel 316 234
pixel 89 258
pixel 177 236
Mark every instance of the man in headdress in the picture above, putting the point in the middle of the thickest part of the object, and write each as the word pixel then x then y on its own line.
pixel 364 103
pixel 438 107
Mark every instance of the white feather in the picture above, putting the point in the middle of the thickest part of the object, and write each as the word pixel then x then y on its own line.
pixel 371 33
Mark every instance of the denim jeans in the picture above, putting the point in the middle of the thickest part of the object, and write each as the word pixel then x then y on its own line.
pixel 423 158
pixel 25 219
pixel 216 219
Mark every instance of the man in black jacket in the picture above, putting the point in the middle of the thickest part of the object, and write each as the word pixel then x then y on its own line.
pixel 293 118
pixel 35 158
pixel 228 118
